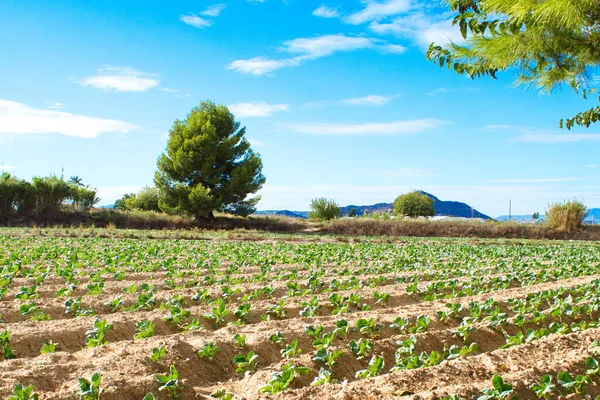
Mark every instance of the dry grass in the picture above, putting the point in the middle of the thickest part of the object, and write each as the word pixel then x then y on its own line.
pixel 422 228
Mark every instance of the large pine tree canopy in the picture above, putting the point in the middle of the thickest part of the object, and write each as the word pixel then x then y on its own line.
pixel 548 42
pixel 208 165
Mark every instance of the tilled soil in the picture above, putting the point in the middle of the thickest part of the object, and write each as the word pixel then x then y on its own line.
pixel 129 373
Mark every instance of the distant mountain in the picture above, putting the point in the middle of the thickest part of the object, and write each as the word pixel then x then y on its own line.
pixel 593 217
pixel 442 208
pixel 284 213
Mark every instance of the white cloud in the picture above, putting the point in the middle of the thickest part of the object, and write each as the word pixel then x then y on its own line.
pixel 195 21
pixel 255 142
pixel 533 180
pixel 256 109
pixel 214 10
pixel 326 12
pixel 168 90
pixel 55 105
pixel 6 167
pixel 372 100
pixel 366 129
pixel 532 135
pixel 120 79
pixel 309 49
pixel 17 118
pixel 404 173
pixel 375 10
pixel 394 48
pixel 591 166
pixel 261 65
pixel 420 27
pixel 557 137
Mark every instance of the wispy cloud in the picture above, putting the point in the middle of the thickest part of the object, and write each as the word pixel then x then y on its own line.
pixel 326 12
pixel 394 128
pixel 370 100
pixel 18 118
pixel 120 79
pixel 256 109
pixel 591 166
pixel 306 49
pixel 195 21
pixel 532 135
pixel 533 180
pixel 255 142
pixel 55 105
pixel 404 173
pixel 420 27
pixel 6 167
pixel 214 10
pixel 557 137
pixel 168 90
pixel 442 91
pixel 375 10
pixel 109 194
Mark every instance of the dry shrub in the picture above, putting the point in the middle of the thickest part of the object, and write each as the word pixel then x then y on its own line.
pixel 424 228
pixel 566 216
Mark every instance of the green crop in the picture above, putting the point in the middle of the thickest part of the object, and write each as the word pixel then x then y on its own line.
pixel 282 379
pixel 21 392
pixel 97 335
pixel 374 368
pixel 158 353
pixel 170 382
pixel 208 351
pixel 48 347
pixel 90 389
pixel 7 352
pixel 245 362
pixel 145 329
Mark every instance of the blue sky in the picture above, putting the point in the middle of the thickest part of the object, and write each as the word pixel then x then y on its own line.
pixel 337 97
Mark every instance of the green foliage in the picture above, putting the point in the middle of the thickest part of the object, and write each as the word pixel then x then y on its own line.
pixel 208 165
pixel 566 216
pixel 549 43
pixel 144 200
pixel 90 389
pixel 50 192
pixel 208 351
pixel 5 348
pixel 374 368
pixel 158 353
pixel 281 380
pixel 97 335
pixel 170 382
pixel 545 388
pixel 499 390
pixel 324 209
pixel 145 329
pixel 414 204
pixel 245 362
pixel 15 196
pixel 48 347
pixel 23 393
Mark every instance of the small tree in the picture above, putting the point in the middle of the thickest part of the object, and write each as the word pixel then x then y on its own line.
pixel 352 213
pixel 535 216
pixel 50 193
pixel 324 209
pixel 15 196
pixel 208 165
pixel 566 216
pixel 414 204
pixel 145 200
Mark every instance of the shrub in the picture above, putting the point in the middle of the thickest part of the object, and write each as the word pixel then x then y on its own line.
pixel 566 216
pixel 324 209
pixel 15 196
pixel 144 200
pixel 50 193
pixel 414 204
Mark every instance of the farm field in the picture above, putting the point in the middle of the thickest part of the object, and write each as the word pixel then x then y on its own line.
pixel 293 319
